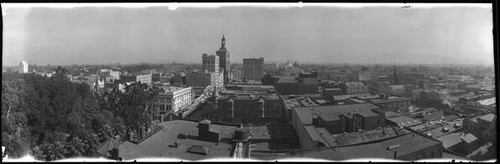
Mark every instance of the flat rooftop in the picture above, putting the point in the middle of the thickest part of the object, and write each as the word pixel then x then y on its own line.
pixel 451 139
pixel 171 89
pixel 332 112
pixel 161 143
pixel 438 131
pixel 248 97
pixel 368 136
pixel 408 143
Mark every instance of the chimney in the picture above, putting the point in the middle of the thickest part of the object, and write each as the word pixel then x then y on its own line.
pixel 315 121
pixel 261 107
pixel 231 106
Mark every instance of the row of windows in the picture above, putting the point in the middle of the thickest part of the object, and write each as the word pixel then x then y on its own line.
pixel 395 104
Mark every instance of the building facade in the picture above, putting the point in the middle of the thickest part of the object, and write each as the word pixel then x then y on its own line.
pixel 333 120
pixel 145 78
pixel 210 63
pixel 355 88
pixel 204 78
pixel 172 100
pixel 482 126
pixel 253 68
pixel 256 104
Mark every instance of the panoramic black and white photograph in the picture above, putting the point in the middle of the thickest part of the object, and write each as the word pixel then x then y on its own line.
pixel 248 82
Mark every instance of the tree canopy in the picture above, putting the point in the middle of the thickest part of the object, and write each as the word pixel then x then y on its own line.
pixel 52 118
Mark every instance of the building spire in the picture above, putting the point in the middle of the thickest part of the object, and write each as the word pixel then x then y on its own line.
pixel 223 43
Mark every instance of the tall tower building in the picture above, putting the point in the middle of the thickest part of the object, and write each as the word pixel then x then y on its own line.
pixel 23 67
pixel 224 59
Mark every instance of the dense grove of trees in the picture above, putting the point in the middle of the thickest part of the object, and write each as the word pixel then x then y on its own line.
pixel 134 106
pixel 53 118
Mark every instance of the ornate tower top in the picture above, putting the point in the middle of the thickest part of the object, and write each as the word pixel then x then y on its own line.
pixel 223 43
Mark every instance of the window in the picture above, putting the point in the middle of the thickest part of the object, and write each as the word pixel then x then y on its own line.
pixel 378 122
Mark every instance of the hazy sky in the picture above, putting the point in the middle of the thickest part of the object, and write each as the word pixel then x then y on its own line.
pixel 98 35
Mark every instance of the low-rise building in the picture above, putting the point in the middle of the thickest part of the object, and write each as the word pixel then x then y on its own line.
pixel 290 85
pixel 403 121
pixel 145 78
pixel 482 126
pixel 407 147
pixel 335 119
pixel 459 142
pixel 387 103
pixel 241 108
pixel 355 88
pixel 459 78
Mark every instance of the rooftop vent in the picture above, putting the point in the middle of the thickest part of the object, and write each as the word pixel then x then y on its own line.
pixel 445 129
pixel 393 147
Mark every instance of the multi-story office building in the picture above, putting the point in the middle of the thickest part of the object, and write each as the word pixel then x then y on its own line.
pixel 223 55
pixel 210 63
pixel 204 78
pixel 23 67
pixel 253 68
pixel 198 79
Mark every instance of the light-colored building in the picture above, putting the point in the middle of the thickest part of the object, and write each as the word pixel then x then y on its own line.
pixel 459 78
pixel 109 75
pixel 356 88
pixel 364 76
pixel 173 99
pixel 146 78
pixel 253 68
pixel 23 67
pixel 236 73
pixel 367 76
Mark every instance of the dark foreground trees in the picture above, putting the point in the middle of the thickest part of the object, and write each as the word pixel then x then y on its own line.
pixel 134 106
pixel 52 118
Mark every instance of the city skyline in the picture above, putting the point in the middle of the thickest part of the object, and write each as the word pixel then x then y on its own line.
pixel 378 35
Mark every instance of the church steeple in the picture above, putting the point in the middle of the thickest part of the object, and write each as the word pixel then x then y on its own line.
pixel 223 43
